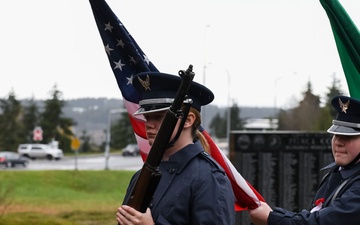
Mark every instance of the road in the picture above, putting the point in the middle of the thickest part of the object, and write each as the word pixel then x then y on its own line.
pixel 97 162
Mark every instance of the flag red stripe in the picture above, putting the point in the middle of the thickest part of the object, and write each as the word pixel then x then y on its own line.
pixel 245 194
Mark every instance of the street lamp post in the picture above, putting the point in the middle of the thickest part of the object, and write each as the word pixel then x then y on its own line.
pixel 275 84
pixel 275 103
pixel 205 66
pixel 108 136
pixel 228 112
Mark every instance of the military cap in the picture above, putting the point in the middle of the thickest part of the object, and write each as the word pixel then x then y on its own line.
pixel 347 120
pixel 158 90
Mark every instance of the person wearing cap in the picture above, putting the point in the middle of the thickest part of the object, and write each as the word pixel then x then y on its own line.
pixel 193 188
pixel 337 200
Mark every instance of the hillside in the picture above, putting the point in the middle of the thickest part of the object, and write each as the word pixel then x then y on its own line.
pixel 91 114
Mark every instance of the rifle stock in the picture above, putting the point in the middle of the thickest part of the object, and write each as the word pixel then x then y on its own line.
pixel 150 175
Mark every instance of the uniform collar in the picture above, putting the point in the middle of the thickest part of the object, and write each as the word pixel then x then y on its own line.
pixel 330 166
pixel 345 172
pixel 183 157
pixel 348 172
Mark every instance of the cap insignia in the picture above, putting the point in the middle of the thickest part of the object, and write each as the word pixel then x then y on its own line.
pixel 145 83
pixel 343 106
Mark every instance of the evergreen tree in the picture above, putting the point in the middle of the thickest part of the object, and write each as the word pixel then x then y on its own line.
pixel 54 126
pixel 30 119
pixel 236 123
pixel 328 112
pixel 308 111
pixel 286 120
pixel 85 142
pixel 333 90
pixel 11 127
pixel 218 126
pixel 122 132
pixel 304 116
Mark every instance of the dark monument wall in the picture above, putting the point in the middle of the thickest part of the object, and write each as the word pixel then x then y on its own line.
pixel 285 167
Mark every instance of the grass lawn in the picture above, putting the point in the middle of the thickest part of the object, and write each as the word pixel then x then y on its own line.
pixel 61 197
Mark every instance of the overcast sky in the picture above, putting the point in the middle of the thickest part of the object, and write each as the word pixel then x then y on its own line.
pixel 249 47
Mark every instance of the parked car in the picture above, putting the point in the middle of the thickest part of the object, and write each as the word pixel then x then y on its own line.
pixel 131 150
pixel 38 151
pixel 11 159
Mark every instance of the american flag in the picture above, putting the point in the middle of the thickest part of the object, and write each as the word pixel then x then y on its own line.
pixel 127 59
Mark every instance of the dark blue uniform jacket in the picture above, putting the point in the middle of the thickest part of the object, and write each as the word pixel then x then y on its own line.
pixel 341 206
pixel 193 189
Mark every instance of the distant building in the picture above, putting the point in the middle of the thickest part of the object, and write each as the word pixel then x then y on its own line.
pixel 261 124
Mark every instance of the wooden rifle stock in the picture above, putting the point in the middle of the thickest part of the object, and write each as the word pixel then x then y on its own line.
pixel 150 175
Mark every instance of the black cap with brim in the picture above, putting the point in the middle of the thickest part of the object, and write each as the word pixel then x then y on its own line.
pixel 158 90
pixel 151 107
pixel 342 130
pixel 347 120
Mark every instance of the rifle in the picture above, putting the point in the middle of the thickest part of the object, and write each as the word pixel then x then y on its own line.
pixel 150 174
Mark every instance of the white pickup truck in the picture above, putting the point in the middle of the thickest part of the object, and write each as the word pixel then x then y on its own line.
pixel 37 151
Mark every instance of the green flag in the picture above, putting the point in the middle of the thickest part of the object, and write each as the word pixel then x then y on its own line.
pixel 347 38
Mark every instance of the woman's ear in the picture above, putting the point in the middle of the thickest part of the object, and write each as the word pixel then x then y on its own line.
pixel 190 120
